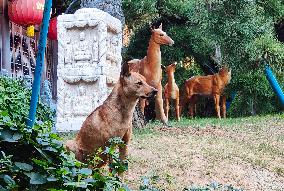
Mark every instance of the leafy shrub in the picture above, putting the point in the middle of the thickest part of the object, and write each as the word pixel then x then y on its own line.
pixel 254 95
pixel 15 100
pixel 244 30
pixel 35 159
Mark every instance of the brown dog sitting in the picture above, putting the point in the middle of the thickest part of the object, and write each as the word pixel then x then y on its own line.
pixel 210 85
pixel 113 118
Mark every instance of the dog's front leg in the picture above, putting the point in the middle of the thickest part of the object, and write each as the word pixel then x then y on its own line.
pixel 123 150
pixel 217 104
pixel 160 114
pixel 177 108
pixel 142 103
pixel 223 104
pixel 167 107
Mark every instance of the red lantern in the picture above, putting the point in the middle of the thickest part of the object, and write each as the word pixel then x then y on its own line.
pixel 26 12
pixel 52 30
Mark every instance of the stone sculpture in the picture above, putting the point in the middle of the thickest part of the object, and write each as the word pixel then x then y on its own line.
pixel 89 62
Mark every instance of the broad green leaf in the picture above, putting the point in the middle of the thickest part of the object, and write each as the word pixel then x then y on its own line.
pixel 50 149
pixel 9 180
pixel 24 166
pixel 36 178
pixel 44 154
pixel 85 171
pixel 7 136
pixel 51 179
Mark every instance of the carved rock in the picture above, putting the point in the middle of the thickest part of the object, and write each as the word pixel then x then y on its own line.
pixel 89 62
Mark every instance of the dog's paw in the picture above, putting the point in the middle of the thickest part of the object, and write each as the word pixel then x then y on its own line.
pixel 166 124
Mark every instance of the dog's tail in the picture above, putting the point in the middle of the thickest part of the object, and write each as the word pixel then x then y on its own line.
pixel 71 145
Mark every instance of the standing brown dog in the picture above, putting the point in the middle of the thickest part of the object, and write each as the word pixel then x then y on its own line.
pixel 150 68
pixel 113 118
pixel 171 90
pixel 211 85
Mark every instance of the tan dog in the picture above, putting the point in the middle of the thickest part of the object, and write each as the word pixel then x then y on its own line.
pixel 150 68
pixel 210 85
pixel 113 118
pixel 172 90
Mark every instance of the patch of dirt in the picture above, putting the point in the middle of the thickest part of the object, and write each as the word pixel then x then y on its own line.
pixel 183 155
pixel 194 131
pixel 235 172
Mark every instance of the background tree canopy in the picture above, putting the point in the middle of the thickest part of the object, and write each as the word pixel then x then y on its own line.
pixel 241 31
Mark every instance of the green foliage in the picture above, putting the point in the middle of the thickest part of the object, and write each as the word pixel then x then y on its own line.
pixel 244 31
pixel 14 103
pixel 213 186
pixel 152 184
pixel 35 159
pixel 142 12
pixel 148 184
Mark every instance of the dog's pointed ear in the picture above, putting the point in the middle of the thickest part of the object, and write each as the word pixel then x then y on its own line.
pixel 125 69
pixel 227 66
pixel 163 67
pixel 161 26
pixel 151 27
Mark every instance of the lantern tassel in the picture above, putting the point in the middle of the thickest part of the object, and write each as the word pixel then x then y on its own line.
pixel 31 31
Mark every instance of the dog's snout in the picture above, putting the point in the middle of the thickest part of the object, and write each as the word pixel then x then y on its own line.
pixel 155 91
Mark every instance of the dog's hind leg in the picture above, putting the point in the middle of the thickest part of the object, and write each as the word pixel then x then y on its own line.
pixel 71 145
pixel 192 104
pixel 191 109
pixel 217 104
pixel 104 160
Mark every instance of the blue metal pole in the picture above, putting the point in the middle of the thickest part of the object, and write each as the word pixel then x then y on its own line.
pixel 274 84
pixel 228 103
pixel 39 62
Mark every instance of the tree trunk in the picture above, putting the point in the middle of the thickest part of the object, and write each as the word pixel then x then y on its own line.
pixel 113 7
pixel 138 118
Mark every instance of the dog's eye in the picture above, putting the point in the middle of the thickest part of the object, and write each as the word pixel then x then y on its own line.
pixel 161 34
pixel 139 83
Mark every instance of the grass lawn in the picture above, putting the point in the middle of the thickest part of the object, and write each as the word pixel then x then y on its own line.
pixel 245 152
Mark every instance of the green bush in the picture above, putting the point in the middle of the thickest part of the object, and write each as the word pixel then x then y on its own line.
pixel 244 31
pixel 35 159
pixel 254 94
